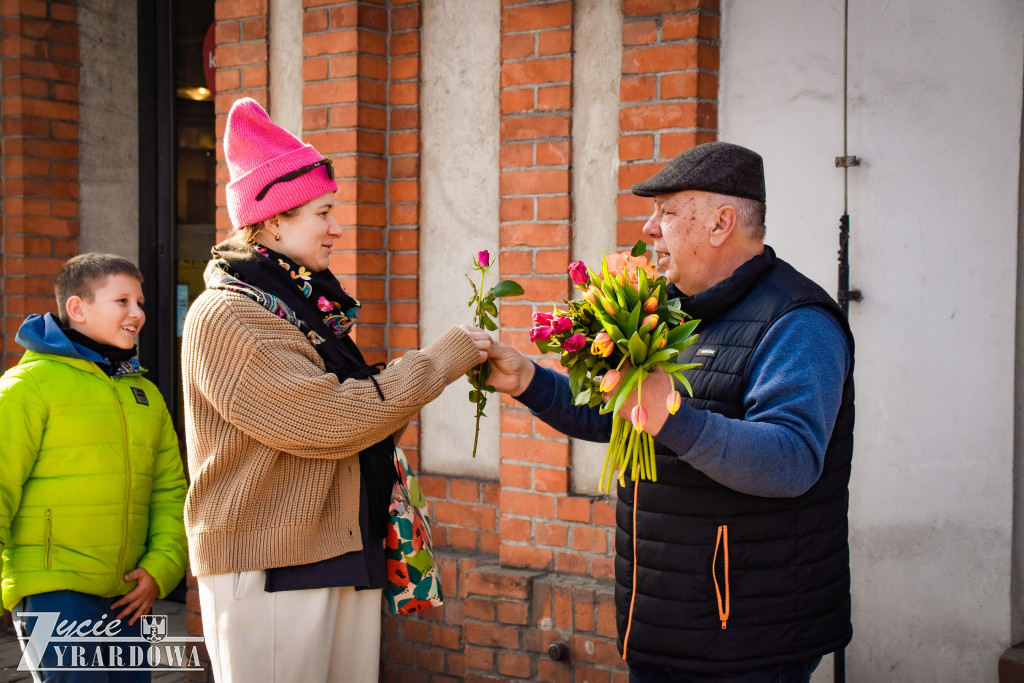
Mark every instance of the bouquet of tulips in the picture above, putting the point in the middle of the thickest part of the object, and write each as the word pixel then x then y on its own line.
pixel 623 329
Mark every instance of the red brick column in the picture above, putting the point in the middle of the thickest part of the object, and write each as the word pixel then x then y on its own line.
pixel 402 190
pixel 344 99
pixel 39 61
pixel 668 92
pixel 535 211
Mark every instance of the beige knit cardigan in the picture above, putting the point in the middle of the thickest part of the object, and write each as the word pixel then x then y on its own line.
pixel 273 439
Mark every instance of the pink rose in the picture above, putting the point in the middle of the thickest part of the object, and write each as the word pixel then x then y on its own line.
pixel 543 333
pixel 542 318
pixel 561 324
pixel 483 258
pixel 574 343
pixel 578 273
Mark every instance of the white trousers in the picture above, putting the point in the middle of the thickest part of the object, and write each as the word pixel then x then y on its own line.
pixel 318 635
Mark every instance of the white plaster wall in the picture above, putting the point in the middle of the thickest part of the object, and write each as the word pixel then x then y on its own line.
pixel 285 62
pixel 108 160
pixel 459 209
pixel 597 67
pixel 935 115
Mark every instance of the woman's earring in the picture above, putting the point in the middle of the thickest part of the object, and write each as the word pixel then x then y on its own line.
pixel 277 237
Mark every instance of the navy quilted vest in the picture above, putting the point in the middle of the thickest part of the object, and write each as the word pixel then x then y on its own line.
pixel 727 581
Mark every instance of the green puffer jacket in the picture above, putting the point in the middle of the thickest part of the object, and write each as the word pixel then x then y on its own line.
pixel 91 481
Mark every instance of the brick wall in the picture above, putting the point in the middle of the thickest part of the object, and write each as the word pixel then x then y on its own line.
pixel 39 62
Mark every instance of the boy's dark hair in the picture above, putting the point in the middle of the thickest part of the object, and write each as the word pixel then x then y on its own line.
pixel 83 274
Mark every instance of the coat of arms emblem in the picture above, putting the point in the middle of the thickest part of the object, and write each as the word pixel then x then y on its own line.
pixel 154 627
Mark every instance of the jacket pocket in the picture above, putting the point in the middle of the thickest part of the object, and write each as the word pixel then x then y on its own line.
pixel 722 588
pixel 47 537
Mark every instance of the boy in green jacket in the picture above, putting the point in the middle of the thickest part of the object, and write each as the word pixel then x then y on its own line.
pixel 91 482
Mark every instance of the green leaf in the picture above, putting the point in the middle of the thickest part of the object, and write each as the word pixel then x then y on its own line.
pixel 631 296
pixel 582 397
pixel 629 382
pixel 489 324
pixel 682 331
pixel 544 345
pixel 637 350
pixel 474 396
pixel 683 343
pixel 489 307
pixel 673 368
pixel 661 356
pixel 634 319
pixel 507 288
pixel 576 375
pixel 639 249
pixel 685 382
pixel 670 312
pixel 612 329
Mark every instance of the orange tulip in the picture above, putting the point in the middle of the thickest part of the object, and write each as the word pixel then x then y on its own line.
pixel 603 345
pixel 610 381
pixel 673 402
pixel 639 417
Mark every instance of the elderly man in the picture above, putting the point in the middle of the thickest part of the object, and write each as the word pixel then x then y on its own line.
pixel 734 565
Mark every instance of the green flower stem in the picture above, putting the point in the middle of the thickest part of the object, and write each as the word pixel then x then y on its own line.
pixel 479 383
pixel 628 451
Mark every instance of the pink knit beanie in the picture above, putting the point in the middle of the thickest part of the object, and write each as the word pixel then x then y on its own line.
pixel 258 151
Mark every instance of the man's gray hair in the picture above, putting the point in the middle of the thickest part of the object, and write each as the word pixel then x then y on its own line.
pixel 749 212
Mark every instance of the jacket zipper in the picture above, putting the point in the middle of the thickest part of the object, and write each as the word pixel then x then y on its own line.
pixel 47 531
pixel 632 597
pixel 127 487
pixel 723 541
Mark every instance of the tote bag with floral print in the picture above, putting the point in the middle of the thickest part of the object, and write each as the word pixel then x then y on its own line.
pixel 414 582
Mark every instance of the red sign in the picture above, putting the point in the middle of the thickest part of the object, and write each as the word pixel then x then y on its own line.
pixel 209 58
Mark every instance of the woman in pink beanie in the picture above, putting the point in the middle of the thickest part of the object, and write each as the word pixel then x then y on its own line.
pixel 290 433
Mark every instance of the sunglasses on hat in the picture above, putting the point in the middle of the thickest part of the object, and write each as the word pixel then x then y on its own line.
pixel 325 162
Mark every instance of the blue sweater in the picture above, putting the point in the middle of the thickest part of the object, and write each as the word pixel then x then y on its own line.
pixel 791 398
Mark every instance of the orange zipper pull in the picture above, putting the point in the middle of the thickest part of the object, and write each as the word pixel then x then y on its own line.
pixel 722 540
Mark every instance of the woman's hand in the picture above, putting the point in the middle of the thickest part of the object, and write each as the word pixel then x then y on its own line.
pixel 482 340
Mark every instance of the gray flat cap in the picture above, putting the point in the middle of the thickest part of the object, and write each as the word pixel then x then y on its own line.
pixel 718 167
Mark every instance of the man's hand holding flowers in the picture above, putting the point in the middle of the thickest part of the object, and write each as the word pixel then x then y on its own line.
pixel 658 388
pixel 621 338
